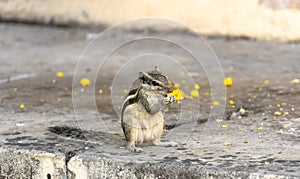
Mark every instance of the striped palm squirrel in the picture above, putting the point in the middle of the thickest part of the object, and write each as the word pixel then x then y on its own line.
pixel 142 116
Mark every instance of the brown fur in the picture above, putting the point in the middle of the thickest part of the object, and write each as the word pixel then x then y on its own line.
pixel 139 126
pixel 142 116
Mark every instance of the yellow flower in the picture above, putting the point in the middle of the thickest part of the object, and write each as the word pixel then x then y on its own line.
pixel 227 143
pixel 176 86
pixel 22 106
pixel 242 111
pixel 194 94
pixel 277 113
pixel 228 82
pixel 60 74
pixel 280 131
pixel 231 102
pixel 100 91
pixel 224 126
pixel 177 93
pixel 197 87
pixel 295 81
pixel 215 103
pixel 85 82
pixel 260 128
pixel 267 163
pixel 266 81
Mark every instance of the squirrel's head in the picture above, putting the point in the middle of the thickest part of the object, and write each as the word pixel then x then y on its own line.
pixel 155 81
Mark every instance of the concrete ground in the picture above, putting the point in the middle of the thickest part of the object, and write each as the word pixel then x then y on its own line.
pixel 47 140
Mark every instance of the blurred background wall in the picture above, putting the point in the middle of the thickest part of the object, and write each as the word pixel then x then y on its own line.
pixel 260 19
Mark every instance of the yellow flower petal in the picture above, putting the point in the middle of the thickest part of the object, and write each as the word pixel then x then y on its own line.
pixel 197 87
pixel 177 93
pixel 266 81
pixel 85 82
pixel 280 131
pixel 295 81
pixel 22 106
pixel 60 74
pixel 231 102
pixel 215 103
pixel 100 91
pixel 242 111
pixel 267 163
pixel 260 128
pixel 228 82
pixel 227 143
pixel 224 126
pixel 277 113
pixel 176 86
pixel 194 94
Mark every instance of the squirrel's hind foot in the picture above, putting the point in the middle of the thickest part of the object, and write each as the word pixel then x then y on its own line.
pixel 134 149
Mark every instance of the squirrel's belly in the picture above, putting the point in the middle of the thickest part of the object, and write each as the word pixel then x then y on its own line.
pixel 144 135
pixel 146 127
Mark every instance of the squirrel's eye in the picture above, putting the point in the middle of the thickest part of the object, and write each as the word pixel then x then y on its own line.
pixel 155 83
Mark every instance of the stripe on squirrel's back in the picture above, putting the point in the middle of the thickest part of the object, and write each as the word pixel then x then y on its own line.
pixel 130 99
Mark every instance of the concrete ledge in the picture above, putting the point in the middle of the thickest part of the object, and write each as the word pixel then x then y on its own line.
pixel 251 18
pixel 33 164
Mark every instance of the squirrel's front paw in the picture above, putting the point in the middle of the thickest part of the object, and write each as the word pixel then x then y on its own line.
pixel 170 99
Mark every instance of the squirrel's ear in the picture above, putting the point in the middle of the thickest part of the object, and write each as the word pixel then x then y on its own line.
pixel 141 73
pixel 142 77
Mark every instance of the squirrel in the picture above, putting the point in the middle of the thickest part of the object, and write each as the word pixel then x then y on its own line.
pixel 142 115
